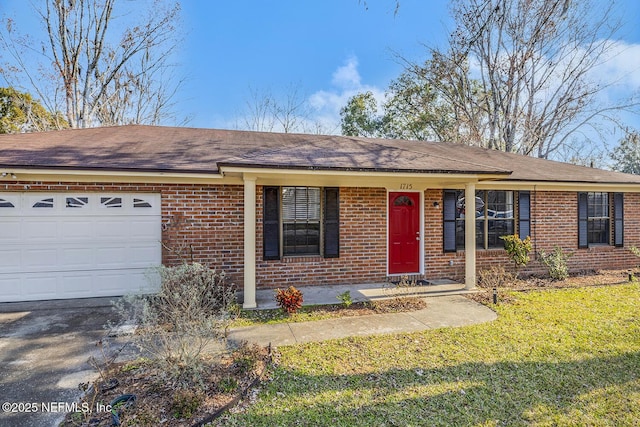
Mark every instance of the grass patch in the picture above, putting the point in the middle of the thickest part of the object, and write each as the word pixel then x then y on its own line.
pixel 558 357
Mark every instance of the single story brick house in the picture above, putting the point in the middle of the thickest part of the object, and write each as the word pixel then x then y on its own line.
pixel 86 212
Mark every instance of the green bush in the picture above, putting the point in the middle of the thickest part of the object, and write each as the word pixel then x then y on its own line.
pixel 185 403
pixel 345 297
pixel 517 249
pixel 556 263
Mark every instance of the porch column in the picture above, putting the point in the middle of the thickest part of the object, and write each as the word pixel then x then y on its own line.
pixel 249 242
pixel 470 235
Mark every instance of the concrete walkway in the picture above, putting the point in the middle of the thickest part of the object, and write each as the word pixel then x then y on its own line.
pixel 445 308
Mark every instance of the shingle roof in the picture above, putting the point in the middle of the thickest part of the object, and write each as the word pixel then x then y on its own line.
pixel 183 150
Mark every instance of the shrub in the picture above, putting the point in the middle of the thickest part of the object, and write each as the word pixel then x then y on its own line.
pixel 556 263
pixel 517 249
pixel 227 384
pixel 246 357
pixel 345 297
pixel 185 403
pixel 192 310
pixel 290 299
pixel 495 277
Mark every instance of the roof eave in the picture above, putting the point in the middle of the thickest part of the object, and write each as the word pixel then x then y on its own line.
pixel 119 175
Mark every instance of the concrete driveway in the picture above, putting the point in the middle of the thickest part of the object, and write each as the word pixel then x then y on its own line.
pixel 44 352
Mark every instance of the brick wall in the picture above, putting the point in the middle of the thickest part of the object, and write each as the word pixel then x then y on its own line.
pixel 205 224
pixel 554 221
pixel 363 247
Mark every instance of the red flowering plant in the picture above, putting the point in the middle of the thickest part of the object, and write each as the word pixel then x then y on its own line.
pixel 289 299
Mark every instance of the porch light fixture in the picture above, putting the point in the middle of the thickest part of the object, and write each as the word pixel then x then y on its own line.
pixel 13 175
pixel 436 204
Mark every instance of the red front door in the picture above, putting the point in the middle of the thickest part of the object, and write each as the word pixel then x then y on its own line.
pixel 404 233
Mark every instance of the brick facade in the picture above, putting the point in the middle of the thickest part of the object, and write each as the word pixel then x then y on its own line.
pixel 205 224
pixel 363 247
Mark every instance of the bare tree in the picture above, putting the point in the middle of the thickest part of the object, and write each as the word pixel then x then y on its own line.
pixel 287 113
pixel 106 70
pixel 519 74
pixel 259 112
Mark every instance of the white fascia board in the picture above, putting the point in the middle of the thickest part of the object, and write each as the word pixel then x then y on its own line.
pixel 342 178
pixel 559 186
pixel 75 175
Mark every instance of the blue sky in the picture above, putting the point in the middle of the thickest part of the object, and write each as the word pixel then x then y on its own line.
pixel 321 47
pixel 328 49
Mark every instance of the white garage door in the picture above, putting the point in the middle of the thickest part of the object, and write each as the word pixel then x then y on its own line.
pixel 76 245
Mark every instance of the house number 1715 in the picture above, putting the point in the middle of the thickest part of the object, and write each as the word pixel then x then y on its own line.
pixel 406 186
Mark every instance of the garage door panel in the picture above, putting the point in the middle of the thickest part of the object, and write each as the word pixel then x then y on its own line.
pixel 109 283
pixel 112 229
pixel 75 284
pixel 10 230
pixel 103 247
pixel 10 260
pixel 142 255
pixel 144 227
pixel 76 229
pixel 11 287
pixel 40 259
pixel 111 257
pixel 34 229
pixel 123 282
pixel 77 258
pixel 40 286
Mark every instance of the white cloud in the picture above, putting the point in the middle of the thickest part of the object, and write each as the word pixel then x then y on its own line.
pixel 347 76
pixel 621 66
pixel 346 82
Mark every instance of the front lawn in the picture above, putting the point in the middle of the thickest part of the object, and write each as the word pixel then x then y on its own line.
pixel 553 357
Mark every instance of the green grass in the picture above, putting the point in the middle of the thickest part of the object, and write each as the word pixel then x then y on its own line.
pixel 553 358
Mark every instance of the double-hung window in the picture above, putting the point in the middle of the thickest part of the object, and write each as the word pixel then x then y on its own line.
pixel 598 213
pixel 598 218
pixel 300 221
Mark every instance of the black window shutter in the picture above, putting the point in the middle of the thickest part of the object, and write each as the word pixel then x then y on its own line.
pixel 271 223
pixel 618 217
pixel 524 214
pixel 449 220
pixel 331 224
pixel 583 220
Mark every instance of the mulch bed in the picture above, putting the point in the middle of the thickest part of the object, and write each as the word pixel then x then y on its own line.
pixel 389 305
pixel 576 280
pixel 161 403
